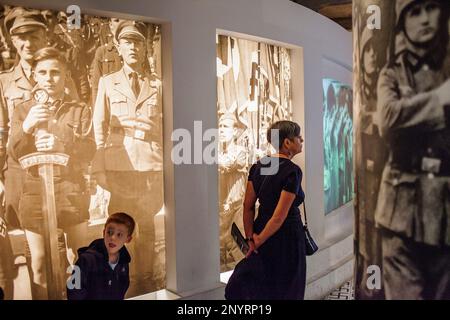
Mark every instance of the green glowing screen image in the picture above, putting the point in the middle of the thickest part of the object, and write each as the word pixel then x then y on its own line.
pixel 338 144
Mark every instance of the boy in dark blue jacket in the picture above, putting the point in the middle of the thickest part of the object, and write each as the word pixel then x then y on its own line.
pixel 103 266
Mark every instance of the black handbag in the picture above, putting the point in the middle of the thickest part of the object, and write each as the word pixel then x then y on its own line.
pixel 310 245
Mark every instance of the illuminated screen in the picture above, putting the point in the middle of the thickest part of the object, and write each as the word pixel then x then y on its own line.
pixel 337 139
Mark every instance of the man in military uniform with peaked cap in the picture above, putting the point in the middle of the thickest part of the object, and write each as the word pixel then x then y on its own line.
pixel 128 133
pixel 413 206
pixel 28 34
pixel 27 30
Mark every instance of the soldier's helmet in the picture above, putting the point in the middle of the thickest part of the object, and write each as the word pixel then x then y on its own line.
pixel 20 20
pixel 400 8
pixel 127 28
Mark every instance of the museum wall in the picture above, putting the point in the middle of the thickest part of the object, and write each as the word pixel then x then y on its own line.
pixel 189 29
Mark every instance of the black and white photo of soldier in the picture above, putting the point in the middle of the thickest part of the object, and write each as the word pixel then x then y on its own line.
pixel 128 132
pixel 413 117
pixel 89 53
pixel 370 152
pixel 413 110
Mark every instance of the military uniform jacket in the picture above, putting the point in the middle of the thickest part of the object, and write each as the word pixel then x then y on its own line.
pixel 71 124
pixel 128 130
pixel 16 88
pixel 413 202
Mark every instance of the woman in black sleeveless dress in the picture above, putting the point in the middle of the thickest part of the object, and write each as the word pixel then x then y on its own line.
pixel 277 234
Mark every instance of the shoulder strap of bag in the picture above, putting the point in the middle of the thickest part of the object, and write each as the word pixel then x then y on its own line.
pixel 304 212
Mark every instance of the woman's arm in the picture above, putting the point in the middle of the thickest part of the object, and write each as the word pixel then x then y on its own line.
pixel 249 209
pixel 278 217
pixel 249 215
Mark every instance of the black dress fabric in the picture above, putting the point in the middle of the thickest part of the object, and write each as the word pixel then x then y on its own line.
pixel 283 254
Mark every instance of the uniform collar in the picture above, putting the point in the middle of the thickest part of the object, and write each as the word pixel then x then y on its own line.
pixel 62 103
pixel 128 71
pixel 60 99
pixel 417 63
pixel 147 86
pixel 407 53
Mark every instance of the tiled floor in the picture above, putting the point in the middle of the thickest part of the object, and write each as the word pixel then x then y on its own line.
pixel 345 292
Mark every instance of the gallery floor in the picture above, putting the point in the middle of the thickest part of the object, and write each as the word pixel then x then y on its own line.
pixel 346 292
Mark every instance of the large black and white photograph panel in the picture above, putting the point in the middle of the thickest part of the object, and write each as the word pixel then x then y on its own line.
pixel 253 92
pixel 402 108
pixel 81 154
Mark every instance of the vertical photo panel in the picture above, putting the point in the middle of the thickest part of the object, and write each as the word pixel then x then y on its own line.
pixel 402 112
pixel 254 90
pixel 81 152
